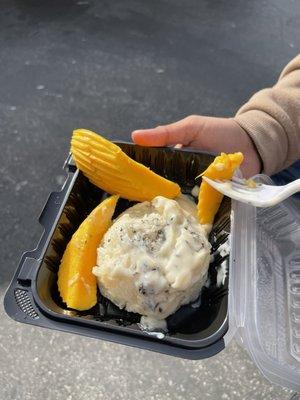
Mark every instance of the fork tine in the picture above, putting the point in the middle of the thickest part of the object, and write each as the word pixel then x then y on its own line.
pixel 231 190
pixel 238 180
pixel 242 187
pixel 229 185
pixel 215 184
pixel 260 196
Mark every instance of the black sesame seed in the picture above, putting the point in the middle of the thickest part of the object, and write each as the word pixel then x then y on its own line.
pixel 142 290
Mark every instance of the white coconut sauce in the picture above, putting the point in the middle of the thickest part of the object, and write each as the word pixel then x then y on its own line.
pixel 153 259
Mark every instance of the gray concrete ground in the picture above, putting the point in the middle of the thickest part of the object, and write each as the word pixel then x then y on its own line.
pixel 40 364
pixel 112 67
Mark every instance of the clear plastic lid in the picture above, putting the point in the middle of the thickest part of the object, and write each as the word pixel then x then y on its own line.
pixel 264 288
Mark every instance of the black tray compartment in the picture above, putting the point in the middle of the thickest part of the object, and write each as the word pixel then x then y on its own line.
pixel 195 331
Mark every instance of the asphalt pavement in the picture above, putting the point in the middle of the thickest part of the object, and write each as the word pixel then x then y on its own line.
pixel 115 66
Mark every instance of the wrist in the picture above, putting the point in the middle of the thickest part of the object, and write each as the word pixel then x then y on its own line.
pixel 253 163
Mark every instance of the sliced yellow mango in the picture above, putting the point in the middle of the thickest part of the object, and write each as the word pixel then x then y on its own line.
pixel 209 199
pixel 109 168
pixel 76 283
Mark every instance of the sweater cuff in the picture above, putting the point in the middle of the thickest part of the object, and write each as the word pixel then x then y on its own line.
pixel 266 134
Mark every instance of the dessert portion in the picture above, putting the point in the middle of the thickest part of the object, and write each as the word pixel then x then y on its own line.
pixel 153 259
pixel 155 256
pixel 76 283
pixel 109 168
pixel 209 200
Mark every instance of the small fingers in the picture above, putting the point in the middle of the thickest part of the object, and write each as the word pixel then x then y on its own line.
pixel 150 137
pixel 183 132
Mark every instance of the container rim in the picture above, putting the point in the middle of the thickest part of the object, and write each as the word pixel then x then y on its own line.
pixel 207 344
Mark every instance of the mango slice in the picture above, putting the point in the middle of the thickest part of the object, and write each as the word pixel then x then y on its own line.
pixel 76 283
pixel 109 168
pixel 209 199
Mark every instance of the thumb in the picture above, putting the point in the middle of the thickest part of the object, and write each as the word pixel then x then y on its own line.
pixel 183 131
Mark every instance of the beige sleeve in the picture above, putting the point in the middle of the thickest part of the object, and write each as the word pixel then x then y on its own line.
pixel 272 119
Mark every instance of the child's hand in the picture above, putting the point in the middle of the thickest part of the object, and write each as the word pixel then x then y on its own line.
pixel 205 133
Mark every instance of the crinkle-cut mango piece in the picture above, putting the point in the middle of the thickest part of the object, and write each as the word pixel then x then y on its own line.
pixel 109 168
pixel 209 199
pixel 76 283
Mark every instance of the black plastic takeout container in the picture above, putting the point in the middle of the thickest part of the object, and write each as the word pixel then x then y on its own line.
pixel 195 331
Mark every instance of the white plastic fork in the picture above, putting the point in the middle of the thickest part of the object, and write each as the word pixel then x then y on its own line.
pixel 259 196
